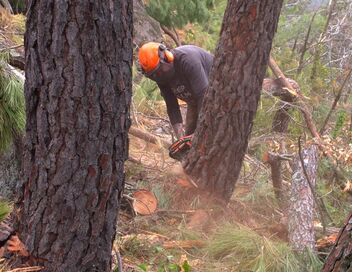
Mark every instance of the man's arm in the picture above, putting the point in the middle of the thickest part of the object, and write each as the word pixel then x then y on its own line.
pixel 198 80
pixel 173 110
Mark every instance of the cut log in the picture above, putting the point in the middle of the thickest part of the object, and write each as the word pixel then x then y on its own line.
pixel 301 207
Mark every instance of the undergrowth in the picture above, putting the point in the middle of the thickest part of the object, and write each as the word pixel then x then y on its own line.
pixel 12 106
pixel 244 250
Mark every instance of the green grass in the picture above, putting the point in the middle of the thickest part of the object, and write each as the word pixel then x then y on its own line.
pixel 146 97
pixel 245 250
pixel 5 209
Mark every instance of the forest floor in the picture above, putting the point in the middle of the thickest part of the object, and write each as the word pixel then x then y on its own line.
pixel 179 234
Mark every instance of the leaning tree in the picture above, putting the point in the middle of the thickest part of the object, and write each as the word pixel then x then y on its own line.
pixel 77 92
pixel 241 58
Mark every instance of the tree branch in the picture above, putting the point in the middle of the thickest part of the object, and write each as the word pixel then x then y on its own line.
pixel 303 107
pixel 304 49
pixel 146 136
pixel 337 98
pixel 171 34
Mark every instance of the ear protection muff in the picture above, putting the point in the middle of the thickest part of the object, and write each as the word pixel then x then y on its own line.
pixel 165 54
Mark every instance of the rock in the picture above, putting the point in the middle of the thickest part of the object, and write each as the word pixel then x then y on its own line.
pixel 145 27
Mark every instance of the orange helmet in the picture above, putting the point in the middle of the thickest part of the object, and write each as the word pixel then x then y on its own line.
pixel 149 55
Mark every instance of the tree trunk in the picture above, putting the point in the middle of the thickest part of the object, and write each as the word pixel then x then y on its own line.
pixel 226 118
pixel 280 124
pixel 301 210
pixel 340 258
pixel 77 91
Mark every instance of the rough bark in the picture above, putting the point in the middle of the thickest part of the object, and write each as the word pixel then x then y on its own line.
pixel 275 164
pixel 301 210
pixel 226 118
pixel 9 173
pixel 146 28
pixel 276 87
pixel 77 91
pixel 340 257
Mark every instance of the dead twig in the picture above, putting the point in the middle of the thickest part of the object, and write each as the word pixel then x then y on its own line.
pixel 27 269
pixel 148 137
pixel 11 47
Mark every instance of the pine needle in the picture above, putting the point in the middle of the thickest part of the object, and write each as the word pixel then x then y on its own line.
pixel 249 251
pixel 12 108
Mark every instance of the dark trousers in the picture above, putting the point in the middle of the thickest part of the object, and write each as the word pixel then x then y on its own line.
pixel 191 119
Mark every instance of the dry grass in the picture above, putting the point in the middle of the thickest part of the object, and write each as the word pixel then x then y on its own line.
pixel 12 28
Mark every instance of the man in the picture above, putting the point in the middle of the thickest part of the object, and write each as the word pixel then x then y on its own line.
pixel 181 73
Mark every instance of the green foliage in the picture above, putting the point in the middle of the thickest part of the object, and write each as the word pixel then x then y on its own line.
pixel 261 198
pixel 340 121
pixel 164 196
pixel 206 34
pixel 12 108
pixel 18 5
pixel 177 13
pixel 246 250
pixel 5 209
pixel 337 202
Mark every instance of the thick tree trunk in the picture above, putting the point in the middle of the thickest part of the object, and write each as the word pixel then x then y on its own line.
pixel 340 258
pixel 301 210
pixel 222 134
pixel 77 90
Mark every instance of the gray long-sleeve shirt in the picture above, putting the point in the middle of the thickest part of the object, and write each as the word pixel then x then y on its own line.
pixel 192 67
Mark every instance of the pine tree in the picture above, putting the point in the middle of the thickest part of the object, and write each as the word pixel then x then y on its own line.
pixel 173 14
pixel 12 115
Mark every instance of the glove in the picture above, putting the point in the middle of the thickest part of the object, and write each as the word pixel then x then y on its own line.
pixel 178 129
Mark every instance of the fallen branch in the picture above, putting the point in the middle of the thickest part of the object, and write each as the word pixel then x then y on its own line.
pixel 11 47
pixel 303 107
pixel 28 269
pixel 146 136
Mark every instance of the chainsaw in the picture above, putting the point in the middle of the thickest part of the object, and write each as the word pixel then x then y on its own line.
pixel 179 149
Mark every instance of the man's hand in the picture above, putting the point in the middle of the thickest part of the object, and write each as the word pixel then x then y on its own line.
pixel 178 129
